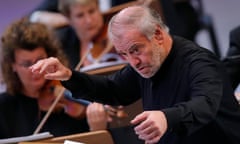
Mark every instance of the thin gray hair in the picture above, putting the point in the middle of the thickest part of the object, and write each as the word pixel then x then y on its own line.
pixel 141 18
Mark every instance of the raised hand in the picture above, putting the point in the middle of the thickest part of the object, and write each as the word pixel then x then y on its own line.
pixel 52 69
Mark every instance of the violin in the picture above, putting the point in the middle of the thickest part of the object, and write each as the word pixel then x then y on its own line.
pixel 75 108
pixel 101 49
pixel 48 96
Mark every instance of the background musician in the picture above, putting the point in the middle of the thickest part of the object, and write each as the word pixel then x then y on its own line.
pixel 181 16
pixel 22 107
pixel 47 12
pixel 87 30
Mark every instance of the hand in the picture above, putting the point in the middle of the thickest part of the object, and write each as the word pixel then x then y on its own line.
pixel 97 116
pixel 52 69
pixel 151 125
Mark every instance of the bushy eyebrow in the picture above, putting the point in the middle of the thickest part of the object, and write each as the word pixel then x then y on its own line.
pixel 133 47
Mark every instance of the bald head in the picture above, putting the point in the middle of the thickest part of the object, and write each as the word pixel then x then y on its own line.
pixel 138 18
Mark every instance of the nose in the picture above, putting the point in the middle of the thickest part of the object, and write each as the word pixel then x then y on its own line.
pixel 88 19
pixel 134 61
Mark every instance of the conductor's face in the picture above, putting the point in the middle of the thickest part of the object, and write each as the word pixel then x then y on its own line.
pixel 144 55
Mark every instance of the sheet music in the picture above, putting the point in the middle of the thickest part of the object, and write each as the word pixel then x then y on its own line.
pixel 26 138
pixel 72 142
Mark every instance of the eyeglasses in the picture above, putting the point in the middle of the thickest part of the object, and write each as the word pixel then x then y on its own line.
pixel 27 64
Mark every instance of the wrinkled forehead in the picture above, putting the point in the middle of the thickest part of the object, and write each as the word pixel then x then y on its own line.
pixel 127 39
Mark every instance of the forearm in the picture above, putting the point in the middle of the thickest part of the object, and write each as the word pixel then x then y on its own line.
pixel 95 88
pixel 104 89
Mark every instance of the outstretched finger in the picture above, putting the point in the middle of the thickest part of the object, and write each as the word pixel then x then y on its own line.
pixel 45 66
pixel 139 118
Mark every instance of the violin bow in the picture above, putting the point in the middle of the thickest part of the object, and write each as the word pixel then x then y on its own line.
pixel 108 47
pixel 60 94
pixel 49 111
pixel 77 68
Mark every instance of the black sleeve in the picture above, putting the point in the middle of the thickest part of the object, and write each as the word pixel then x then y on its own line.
pixel 120 88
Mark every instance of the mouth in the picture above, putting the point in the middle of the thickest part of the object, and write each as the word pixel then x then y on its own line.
pixel 143 69
pixel 90 28
pixel 37 77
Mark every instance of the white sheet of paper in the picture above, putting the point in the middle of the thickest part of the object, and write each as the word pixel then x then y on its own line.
pixel 26 138
pixel 71 142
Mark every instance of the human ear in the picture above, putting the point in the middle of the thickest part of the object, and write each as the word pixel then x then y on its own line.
pixel 158 35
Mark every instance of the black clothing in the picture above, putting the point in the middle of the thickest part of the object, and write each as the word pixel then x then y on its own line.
pixel 70 44
pixel 190 88
pixel 181 18
pixel 20 116
pixel 47 5
pixel 232 59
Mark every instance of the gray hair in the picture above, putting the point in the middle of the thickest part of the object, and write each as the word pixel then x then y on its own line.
pixel 141 18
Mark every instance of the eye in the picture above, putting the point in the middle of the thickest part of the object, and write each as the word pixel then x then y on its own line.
pixel 135 50
pixel 80 15
pixel 26 64
pixel 91 11
pixel 122 54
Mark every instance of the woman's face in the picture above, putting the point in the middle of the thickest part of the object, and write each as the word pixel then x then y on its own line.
pixel 23 60
pixel 86 20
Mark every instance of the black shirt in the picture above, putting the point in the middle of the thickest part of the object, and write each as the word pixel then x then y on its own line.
pixel 20 116
pixel 70 44
pixel 190 88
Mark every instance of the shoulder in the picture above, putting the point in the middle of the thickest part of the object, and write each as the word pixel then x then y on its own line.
pixel 5 96
pixel 6 100
pixel 195 59
pixel 65 32
pixel 188 49
pixel 64 29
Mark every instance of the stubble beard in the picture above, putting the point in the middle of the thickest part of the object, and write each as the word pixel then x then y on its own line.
pixel 157 60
